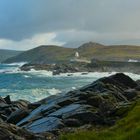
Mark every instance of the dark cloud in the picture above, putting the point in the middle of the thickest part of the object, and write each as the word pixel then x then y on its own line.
pixel 88 19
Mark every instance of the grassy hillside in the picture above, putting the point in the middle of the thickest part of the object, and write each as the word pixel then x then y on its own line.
pixel 126 129
pixel 44 54
pixel 52 54
pixel 5 54
pixel 117 52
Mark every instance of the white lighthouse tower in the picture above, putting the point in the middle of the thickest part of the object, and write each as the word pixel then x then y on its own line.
pixel 77 55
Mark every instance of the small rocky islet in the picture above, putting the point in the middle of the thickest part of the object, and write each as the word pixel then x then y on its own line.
pixel 99 104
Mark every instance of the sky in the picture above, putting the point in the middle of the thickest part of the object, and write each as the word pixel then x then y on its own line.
pixel 25 24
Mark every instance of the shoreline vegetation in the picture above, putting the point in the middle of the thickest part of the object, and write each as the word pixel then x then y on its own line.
pixel 105 109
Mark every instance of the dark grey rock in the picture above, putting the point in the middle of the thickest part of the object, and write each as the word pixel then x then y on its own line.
pixel 17 116
pixel 45 124
pixel 7 99
pixel 130 94
pixel 21 104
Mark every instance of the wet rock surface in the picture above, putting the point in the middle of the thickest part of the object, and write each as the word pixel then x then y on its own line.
pixel 101 103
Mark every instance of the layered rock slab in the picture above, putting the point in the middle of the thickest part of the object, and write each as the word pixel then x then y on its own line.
pixel 102 102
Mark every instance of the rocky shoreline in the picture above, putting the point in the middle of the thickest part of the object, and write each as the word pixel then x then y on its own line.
pixel 94 106
pixel 58 68
pixel 94 66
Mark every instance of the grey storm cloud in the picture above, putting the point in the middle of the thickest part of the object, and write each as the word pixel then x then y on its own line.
pixel 102 20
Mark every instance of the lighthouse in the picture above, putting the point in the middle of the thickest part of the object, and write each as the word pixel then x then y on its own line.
pixel 77 55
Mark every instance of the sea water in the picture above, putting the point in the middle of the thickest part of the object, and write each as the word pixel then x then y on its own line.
pixel 36 85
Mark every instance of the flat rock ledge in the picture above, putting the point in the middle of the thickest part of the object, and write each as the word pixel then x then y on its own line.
pixel 100 103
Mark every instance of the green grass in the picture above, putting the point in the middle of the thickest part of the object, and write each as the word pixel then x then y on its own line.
pixel 53 53
pixel 126 129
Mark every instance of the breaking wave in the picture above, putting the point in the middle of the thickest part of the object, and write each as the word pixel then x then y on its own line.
pixel 31 95
pixel 35 85
pixel 17 64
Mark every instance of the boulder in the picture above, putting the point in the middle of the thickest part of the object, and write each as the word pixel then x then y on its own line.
pixel 124 80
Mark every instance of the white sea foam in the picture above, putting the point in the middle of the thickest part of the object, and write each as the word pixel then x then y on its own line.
pixel 35 94
pixel 99 74
pixel 17 64
pixel 88 74
pixel 14 70
pixel 133 76
pixel 40 73
pixel 44 73
pixel 9 70
pixel 26 76
pixel 73 88
pixel 31 95
pixel 54 91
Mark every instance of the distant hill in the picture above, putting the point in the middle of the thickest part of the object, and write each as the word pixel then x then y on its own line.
pixel 43 54
pixel 55 54
pixel 5 54
pixel 112 52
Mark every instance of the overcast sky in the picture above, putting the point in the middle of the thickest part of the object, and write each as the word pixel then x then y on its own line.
pixel 25 24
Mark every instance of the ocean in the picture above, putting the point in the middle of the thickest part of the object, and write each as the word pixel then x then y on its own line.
pixel 36 85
